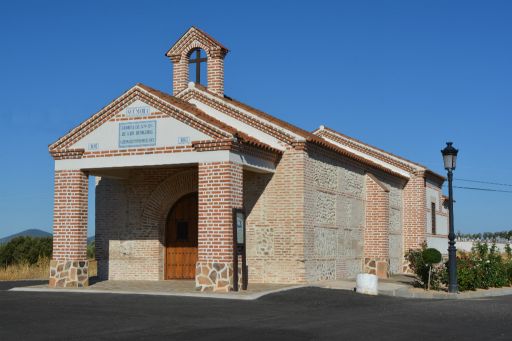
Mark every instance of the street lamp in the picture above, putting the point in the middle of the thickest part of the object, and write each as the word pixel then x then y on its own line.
pixel 450 161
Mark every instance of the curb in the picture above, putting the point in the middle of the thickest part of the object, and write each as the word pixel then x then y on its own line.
pixel 407 293
pixel 226 296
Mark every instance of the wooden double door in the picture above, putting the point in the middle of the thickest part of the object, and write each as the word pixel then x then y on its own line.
pixel 181 239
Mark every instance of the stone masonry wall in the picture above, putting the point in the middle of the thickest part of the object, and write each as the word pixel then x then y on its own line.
pixel 334 217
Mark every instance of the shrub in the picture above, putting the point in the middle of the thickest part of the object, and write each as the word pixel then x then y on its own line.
pixel 482 268
pixel 422 262
pixel 25 250
pixel 431 256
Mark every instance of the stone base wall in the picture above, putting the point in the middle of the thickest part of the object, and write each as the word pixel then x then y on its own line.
pixel 377 266
pixel 215 276
pixel 68 274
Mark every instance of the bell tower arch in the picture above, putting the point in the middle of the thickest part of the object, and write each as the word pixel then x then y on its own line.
pixel 183 53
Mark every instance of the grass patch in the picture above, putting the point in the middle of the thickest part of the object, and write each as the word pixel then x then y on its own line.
pixel 25 270
pixel 39 270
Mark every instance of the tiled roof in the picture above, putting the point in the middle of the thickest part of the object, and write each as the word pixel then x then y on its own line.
pixel 307 136
pixel 184 105
pixel 189 108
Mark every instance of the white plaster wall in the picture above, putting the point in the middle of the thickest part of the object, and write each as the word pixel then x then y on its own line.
pixel 439 243
pixel 467 245
pixel 433 195
pixel 168 130
pixel 249 130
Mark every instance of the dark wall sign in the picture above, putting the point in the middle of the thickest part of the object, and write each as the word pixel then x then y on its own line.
pixel 239 247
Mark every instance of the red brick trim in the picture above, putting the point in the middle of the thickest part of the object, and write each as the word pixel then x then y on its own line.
pixel 220 190
pixel 220 104
pixel 334 151
pixel 176 108
pixel 67 154
pixel 70 215
pixel 138 151
pixel 376 232
pixel 194 33
pixel 237 114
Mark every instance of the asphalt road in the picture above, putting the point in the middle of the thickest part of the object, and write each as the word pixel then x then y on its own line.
pixel 301 314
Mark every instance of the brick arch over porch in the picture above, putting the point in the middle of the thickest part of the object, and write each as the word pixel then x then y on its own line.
pixel 161 200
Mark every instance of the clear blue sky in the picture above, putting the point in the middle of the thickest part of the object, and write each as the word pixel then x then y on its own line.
pixel 403 75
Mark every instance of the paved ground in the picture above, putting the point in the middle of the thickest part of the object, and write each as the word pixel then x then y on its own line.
pixel 168 287
pixel 300 314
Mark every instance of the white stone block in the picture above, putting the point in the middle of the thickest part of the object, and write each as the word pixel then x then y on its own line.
pixel 367 284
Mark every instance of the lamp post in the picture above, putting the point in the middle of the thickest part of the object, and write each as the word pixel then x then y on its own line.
pixel 450 160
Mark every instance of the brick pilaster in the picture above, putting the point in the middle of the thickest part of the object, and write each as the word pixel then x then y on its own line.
pixel 69 260
pixel 179 73
pixel 216 73
pixel 220 190
pixel 376 232
pixel 414 212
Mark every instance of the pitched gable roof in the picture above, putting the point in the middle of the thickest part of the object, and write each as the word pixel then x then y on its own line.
pixel 174 107
pixel 350 142
pixel 299 135
pixel 195 33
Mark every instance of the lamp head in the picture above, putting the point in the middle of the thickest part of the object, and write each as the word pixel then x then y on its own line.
pixel 449 156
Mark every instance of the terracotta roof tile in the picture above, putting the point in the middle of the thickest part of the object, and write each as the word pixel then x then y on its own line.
pixel 191 108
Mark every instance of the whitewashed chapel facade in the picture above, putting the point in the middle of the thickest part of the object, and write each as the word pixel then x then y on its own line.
pixel 170 169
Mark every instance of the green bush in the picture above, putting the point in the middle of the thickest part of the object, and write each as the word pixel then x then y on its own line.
pixel 25 250
pixel 423 261
pixel 484 267
pixel 431 256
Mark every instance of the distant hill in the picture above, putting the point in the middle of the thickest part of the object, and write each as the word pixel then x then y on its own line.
pixel 35 233
pixel 30 233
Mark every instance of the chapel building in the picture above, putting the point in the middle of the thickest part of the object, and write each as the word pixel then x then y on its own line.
pixel 171 170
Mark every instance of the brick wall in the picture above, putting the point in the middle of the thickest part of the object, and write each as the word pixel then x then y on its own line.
pixel 70 215
pixel 376 232
pixel 68 267
pixel 130 220
pixel 215 69
pixel 274 205
pixel 220 191
pixel 414 212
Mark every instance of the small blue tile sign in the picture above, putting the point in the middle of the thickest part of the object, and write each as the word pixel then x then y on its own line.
pixel 183 140
pixel 137 134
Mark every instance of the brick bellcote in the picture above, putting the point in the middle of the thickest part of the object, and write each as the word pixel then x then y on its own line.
pixel 180 54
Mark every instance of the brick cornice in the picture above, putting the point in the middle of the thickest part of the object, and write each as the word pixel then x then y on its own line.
pixel 193 38
pixel 170 106
pixel 67 154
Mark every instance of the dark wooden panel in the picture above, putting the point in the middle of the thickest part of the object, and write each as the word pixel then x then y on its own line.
pixel 181 239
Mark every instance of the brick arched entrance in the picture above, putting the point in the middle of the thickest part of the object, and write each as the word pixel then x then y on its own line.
pixel 181 238
pixel 158 205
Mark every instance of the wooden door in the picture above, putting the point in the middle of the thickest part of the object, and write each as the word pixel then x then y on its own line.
pixel 181 239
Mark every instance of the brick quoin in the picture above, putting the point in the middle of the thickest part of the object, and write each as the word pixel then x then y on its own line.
pixel 70 215
pixel 414 212
pixel 69 265
pixel 220 190
pixel 376 232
